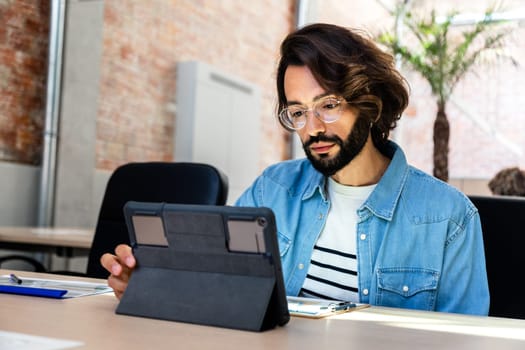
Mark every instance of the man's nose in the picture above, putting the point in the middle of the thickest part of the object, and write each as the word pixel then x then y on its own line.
pixel 313 125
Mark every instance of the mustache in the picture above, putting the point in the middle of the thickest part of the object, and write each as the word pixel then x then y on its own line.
pixel 322 137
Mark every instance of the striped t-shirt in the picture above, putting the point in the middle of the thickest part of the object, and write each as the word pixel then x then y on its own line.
pixel 333 267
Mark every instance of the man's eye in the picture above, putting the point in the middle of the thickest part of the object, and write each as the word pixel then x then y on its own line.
pixel 330 104
pixel 297 113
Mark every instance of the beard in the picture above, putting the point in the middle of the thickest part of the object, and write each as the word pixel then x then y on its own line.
pixel 348 149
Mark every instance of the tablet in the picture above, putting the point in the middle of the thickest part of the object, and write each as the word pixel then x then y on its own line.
pixel 211 265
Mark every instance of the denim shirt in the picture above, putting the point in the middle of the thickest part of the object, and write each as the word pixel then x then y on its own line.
pixel 419 240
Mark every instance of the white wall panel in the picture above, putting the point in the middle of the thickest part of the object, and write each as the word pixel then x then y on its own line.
pixel 218 122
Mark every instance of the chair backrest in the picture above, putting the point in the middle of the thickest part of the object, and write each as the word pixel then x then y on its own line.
pixel 503 224
pixel 183 183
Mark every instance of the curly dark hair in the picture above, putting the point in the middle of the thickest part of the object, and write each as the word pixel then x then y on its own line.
pixel 350 65
pixel 508 182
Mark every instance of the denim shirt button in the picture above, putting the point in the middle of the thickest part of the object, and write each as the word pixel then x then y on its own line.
pixel 405 288
pixel 362 236
pixel 300 266
pixel 320 216
pixel 365 291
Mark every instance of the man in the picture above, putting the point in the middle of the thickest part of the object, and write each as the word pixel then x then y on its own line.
pixel 355 221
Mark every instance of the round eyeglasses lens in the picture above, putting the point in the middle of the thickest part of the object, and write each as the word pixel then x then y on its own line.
pixel 328 109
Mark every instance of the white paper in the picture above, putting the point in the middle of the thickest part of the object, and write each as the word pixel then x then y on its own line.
pixel 74 288
pixel 20 341
pixel 316 307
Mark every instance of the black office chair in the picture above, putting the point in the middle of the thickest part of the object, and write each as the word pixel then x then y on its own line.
pixel 503 224
pixel 32 263
pixel 183 183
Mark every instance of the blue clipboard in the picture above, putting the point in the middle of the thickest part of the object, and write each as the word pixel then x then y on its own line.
pixel 31 291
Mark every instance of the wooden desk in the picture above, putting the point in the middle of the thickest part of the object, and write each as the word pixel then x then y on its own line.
pixel 92 320
pixel 63 241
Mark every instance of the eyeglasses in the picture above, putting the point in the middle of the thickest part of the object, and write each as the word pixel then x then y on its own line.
pixel 328 110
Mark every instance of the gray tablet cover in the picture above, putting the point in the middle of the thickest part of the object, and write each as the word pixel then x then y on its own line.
pixel 211 265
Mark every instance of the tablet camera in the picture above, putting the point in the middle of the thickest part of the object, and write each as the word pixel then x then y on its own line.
pixel 261 221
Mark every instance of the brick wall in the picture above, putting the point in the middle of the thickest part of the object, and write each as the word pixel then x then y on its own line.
pixel 144 40
pixel 23 69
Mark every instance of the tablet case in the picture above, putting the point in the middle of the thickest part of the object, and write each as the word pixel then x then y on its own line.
pixel 211 265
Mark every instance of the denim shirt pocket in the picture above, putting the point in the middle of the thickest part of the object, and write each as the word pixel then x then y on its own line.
pixel 411 288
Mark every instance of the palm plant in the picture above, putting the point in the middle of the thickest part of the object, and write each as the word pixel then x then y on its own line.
pixel 443 61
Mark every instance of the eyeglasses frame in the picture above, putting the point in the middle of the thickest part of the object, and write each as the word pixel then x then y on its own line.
pixel 287 123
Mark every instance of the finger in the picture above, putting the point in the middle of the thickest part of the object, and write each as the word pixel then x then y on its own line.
pixel 118 285
pixel 111 263
pixel 125 255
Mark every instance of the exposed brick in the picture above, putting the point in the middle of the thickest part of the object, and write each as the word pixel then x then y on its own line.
pixel 23 69
pixel 144 40
pixel 143 43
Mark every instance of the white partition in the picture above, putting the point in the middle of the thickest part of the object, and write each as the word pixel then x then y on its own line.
pixel 218 121
pixel 19 190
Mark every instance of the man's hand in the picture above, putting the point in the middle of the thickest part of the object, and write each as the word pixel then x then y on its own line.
pixel 120 266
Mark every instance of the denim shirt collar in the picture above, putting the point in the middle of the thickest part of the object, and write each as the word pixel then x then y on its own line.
pixel 383 200
pixel 316 183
